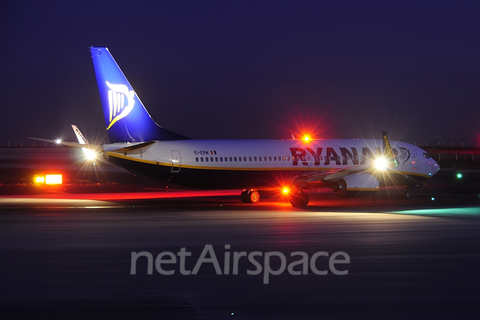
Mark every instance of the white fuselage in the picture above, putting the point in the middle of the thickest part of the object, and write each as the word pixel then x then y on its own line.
pixel 189 156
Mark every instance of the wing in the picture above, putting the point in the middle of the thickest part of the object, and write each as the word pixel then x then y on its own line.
pixel 332 177
pixel 326 177
pixel 64 143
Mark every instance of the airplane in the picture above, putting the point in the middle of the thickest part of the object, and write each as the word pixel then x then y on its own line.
pixel 347 167
pixel 89 152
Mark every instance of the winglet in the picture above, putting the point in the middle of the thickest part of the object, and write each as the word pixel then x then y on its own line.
pixel 81 138
pixel 387 149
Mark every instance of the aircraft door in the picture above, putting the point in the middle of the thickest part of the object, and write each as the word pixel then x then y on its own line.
pixel 310 160
pixel 414 159
pixel 176 161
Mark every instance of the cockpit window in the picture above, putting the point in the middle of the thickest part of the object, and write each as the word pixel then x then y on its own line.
pixel 426 155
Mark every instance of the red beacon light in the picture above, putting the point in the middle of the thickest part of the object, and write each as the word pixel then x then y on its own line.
pixel 306 138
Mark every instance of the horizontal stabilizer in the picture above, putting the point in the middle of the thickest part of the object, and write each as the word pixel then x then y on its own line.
pixel 138 148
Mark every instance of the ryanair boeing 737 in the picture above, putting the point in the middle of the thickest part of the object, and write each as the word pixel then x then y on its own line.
pixel 347 167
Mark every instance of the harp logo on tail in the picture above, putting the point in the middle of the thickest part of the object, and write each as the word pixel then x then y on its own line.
pixel 118 95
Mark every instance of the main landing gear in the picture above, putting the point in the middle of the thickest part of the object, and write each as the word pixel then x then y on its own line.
pixel 298 198
pixel 406 190
pixel 250 196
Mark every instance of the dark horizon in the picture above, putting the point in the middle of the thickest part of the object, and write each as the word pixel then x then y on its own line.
pixel 248 70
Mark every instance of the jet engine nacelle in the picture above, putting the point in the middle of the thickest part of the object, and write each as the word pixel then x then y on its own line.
pixel 357 184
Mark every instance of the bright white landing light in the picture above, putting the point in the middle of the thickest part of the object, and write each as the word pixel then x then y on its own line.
pixel 380 163
pixel 58 141
pixel 89 154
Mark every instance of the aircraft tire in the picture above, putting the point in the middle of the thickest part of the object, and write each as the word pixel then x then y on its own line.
pixel 244 197
pixel 406 194
pixel 299 199
pixel 254 197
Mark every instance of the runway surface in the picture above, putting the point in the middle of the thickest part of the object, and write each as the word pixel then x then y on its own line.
pixel 69 256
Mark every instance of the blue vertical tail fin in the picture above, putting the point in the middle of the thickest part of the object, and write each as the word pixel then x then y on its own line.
pixel 126 118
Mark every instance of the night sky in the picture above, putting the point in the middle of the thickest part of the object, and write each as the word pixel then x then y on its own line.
pixel 248 69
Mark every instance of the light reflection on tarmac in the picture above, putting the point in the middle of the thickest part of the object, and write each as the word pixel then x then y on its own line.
pixel 70 258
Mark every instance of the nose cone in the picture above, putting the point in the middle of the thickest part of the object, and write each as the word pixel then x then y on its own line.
pixel 435 168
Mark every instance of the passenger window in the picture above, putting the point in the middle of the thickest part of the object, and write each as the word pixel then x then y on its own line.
pixel 206 159
pixel 211 159
pixel 284 158
pixel 245 159
pixel 230 159
pixel 216 159
pixel 288 158
pixel 221 159
pixel 250 158
pixel 269 158
pixel 275 158
pixel 196 159
pixel 235 159
pixel 259 158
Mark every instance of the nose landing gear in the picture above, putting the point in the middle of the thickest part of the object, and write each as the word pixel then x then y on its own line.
pixel 406 190
pixel 406 193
